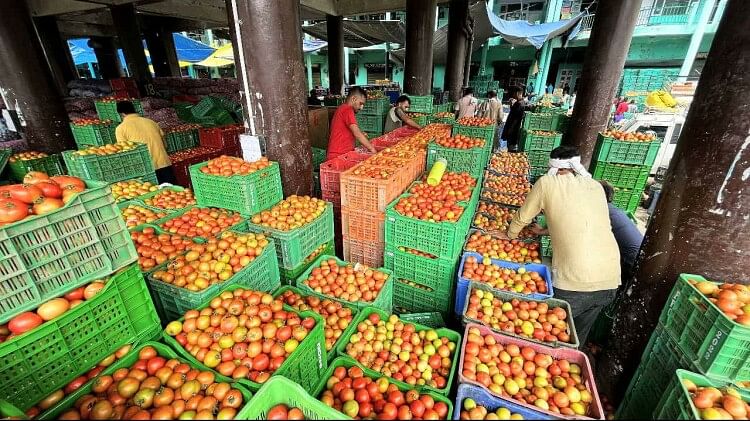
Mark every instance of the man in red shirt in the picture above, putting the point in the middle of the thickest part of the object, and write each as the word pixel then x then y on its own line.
pixel 344 128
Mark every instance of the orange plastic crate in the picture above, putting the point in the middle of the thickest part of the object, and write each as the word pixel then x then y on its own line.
pixel 330 171
pixel 366 252
pixel 363 225
pixel 365 193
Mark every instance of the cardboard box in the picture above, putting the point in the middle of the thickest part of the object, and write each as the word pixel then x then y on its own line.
pixel 318 123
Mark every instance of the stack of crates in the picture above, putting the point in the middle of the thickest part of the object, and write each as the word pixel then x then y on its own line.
pixel 421 104
pixel 626 166
pixel 541 133
pixel 106 108
pixel 112 167
pixel 178 138
pixel 637 83
pixel 372 116
pixel 693 334
pixel 93 132
pixel 483 132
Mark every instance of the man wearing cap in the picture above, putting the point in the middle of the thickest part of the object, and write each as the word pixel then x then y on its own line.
pixel 586 259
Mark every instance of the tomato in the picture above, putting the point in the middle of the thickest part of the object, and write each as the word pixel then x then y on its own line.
pixel 76 294
pixel 233 399
pixel 24 192
pixel 127 387
pixel 123 350
pixel 102 410
pixel 65 181
pixel 101 384
pixel 154 364
pixel 70 414
pixel 50 400
pixel 278 412
pixel 34 177
pixel 12 210
pixel 147 353
pixel 75 384
pixel 24 322
pixel 92 289
pixel 53 308
pixel 49 189
pixel 94 372
pixel 46 205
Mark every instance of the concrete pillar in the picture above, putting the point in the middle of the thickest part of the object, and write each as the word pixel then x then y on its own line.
pixel 27 86
pixel 696 38
pixel 701 224
pixel 107 57
pixel 129 35
pixel 276 97
pixel 160 43
pixel 602 67
pixel 56 52
pixel 545 57
pixel 337 72
pixel 420 31
pixel 458 34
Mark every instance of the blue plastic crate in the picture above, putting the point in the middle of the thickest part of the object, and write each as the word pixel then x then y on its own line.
pixel 492 403
pixel 462 286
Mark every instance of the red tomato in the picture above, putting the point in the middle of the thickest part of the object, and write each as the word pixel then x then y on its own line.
pixel 46 205
pixel 24 322
pixel 34 177
pixel 24 192
pixel 76 294
pixel 49 189
pixel 65 180
pixel 12 210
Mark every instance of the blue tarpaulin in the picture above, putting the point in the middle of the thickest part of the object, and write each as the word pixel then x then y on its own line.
pixel 520 32
pixel 188 50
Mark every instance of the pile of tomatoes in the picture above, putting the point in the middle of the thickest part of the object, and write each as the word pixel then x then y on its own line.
pixel 475 121
pixel 335 315
pixel 417 252
pixel 346 282
pixel 630 137
pixel 49 310
pixel 26 156
pixel 111 149
pixel 444 115
pixel 283 412
pixel 171 199
pixel 291 213
pixel 242 334
pixel 227 166
pixel 200 222
pixel 135 215
pixel 376 172
pixel 509 163
pixel 361 397
pixel 154 249
pixel 213 262
pixel 452 185
pixel 80 122
pixel 182 128
pixel 512 184
pixel 39 194
pixel 513 199
pixel 516 251
pixel 520 281
pixel 461 142
pixel 130 189
pixel 437 203
pixel 157 388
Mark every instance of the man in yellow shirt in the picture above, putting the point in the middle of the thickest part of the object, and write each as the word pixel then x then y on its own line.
pixel 135 128
pixel 586 259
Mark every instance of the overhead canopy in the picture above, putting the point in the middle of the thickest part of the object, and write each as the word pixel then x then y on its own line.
pixel 521 32
pixel 224 55
pixel 190 50
pixel 358 34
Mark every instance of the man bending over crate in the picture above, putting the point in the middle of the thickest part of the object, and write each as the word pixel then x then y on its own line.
pixel 139 129
pixel 344 127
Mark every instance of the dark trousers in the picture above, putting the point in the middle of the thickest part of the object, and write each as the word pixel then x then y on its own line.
pixel 166 175
pixel 586 307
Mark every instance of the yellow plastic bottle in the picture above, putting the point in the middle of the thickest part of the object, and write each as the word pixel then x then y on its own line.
pixel 437 171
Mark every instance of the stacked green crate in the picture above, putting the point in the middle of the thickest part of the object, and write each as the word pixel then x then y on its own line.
pixel 421 104
pixel 106 109
pixel 626 166
pixel 372 116
pixel 94 134
pixel 541 133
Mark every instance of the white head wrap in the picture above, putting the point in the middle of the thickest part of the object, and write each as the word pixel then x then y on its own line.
pixel 573 163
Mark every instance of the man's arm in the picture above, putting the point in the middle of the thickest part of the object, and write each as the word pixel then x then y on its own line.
pixel 528 211
pixel 406 119
pixel 361 137
pixel 120 133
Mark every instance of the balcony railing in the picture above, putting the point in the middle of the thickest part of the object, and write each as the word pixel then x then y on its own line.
pixel 678 14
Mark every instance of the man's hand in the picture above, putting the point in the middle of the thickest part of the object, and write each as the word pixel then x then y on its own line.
pixel 372 149
pixel 538 230
pixel 502 235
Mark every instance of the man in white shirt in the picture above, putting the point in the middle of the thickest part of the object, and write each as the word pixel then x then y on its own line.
pixel 467 105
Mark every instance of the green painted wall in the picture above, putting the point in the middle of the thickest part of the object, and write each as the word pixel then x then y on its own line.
pixel 438 76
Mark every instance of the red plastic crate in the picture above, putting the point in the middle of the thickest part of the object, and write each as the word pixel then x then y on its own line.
pixel 366 252
pixel 123 84
pixel 220 137
pixel 363 225
pixel 182 168
pixel 330 171
pixel 572 355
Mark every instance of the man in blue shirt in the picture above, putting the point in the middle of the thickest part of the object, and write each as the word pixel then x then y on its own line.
pixel 627 235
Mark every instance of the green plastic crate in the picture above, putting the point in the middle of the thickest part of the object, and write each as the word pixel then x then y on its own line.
pixel 719 347
pixel 452 336
pixel 658 364
pixel 172 301
pixel 421 104
pixel 352 307
pixel 289 277
pixel 111 168
pixel 377 106
pixel 304 366
pixel 507 296
pixel 611 150
pixel 627 199
pixel 422 120
pixel 239 227
pixel 546 242
pixel 433 320
pixel 539 121
pixel 412 299
pixel 128 361
pixel 5 153
pixel 178 141
pixel 246 194
pixel 370 123
pixel 538 171
pixel 444 108
pixel 46 358
pixel 8 411
pixel 319 156
pixel 281 391
pixel 676 403
pixel 437 274
pixel 142 198
pixel 93 135
pixel 442 120
pixel 538 158
pixel 487 133
pixel 470 161
pixel 292 247
pixel 51 165
pixel 622 175
pixel 44 256
pixel 441 239
pixel 538 142
pixel 107 110
pixel 383 301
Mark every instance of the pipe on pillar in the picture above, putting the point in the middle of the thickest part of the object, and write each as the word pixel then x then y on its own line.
pixel 420 31
pixel 602 67
pixel 704 205
pixel 129 35
pixel 27 86
pixel 458 34
pixel 161 48
pixel 238 61
pixel 106 57
pixel 56 52
pixel 696 39
pixel 336 75
pixel 277 100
